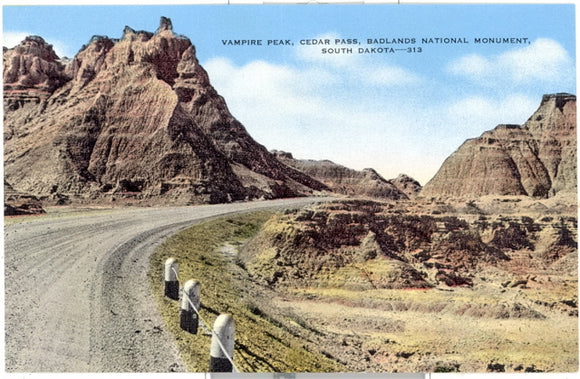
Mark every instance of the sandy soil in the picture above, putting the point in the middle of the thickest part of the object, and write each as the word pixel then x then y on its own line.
pixel 481 329
pixel 77 297
pixel 429 331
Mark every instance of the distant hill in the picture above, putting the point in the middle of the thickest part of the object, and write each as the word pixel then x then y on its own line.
pixel 535 159
pixel 346 181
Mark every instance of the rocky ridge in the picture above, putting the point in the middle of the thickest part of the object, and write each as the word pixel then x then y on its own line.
pixel 350 182
pixel 78 130
pixel 407 185
pixel 535 159
pixel 134 118
pixel 32 71
pixel 361 245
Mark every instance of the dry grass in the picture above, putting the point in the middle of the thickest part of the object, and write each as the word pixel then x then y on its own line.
pixel 416 330
pixel 263 342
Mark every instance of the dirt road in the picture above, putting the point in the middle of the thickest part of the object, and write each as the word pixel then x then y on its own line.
pixel 77 298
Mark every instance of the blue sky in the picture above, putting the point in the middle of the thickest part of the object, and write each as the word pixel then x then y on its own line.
pixel 396 112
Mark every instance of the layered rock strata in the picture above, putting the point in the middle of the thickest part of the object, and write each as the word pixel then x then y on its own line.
pixel 535 159
pixel 407 185
pixel 346 181
pixel 365 244
pixel 18 203
pixel 135 117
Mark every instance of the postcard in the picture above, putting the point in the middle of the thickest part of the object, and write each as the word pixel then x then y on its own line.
pixel 290 189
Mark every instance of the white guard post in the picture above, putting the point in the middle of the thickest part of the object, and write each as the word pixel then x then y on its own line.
pixel 222 345
pixel 171 281
pixel 190 302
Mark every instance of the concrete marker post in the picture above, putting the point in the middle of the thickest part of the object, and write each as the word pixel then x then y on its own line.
pixel 171 282
pixel 188 318
pixel 223 331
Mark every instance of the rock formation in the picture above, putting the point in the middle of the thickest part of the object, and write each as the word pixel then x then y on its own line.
pixel 32 71
pixel 18 203
pixel 346 181
pixel 407 185
pixel 535 159
pixel 133 118
pixel 366 244
pixel 554 127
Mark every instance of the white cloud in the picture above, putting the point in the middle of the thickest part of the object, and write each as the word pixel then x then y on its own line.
pixel 471 65
pixel 544 60
pixel 477 113
pixel 315 113
pixel 276 90
pixel 12 39
pixel 388 76
pixel 61 49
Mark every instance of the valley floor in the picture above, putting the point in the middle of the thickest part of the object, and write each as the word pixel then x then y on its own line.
pixel 479 329
pixel 489 327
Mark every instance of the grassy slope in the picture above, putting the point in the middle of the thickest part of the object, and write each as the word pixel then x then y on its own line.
pixel 262 345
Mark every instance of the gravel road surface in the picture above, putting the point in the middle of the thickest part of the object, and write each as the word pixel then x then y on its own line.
pixel 77 297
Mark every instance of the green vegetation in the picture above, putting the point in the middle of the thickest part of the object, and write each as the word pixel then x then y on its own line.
pixel 263 343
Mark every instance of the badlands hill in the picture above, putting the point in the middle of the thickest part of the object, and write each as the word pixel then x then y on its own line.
pixel 365 244
pixel 535 159
pixel 346 181
pixel 131 118
pixel 136 119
